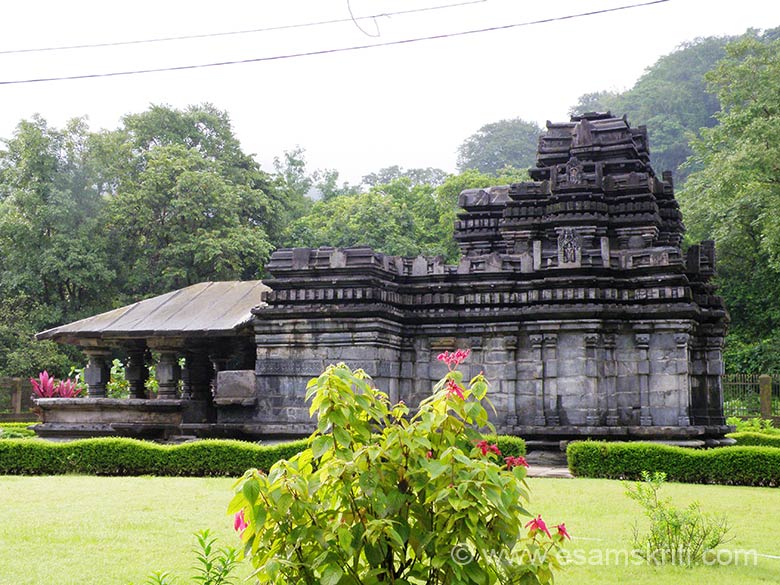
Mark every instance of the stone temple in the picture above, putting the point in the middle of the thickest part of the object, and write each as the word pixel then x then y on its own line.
pixel 572 291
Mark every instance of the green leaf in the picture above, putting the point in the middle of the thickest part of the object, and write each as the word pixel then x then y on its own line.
pixel 342 437
pixel 251 491
pixel 331 575
pixel 436 468
pixel 237 503
pixel 320 445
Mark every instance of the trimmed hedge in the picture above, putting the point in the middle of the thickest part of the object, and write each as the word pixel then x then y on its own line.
pixel 510 446
pixel 737 465
pixel 755 439
pixel 16 425
pixel 117 456
pixel 15 430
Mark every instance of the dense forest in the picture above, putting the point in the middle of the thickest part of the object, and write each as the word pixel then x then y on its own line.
pixel 90 221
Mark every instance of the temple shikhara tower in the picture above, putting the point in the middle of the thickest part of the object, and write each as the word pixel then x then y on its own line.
pixel 572 291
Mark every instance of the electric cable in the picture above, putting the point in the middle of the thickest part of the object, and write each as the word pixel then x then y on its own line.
pixel 330 51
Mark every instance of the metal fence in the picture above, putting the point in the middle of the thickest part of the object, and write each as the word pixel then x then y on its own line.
pixel 751 395
pixel 776 396
pixel 741 395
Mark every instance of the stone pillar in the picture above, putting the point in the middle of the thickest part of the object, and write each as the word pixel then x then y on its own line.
pixel 538 354
pixel 218 364
pixel 196 375
pixel 510 375
pixel 714 356
pixel 683 379
pixel 136 372
pixel 168 374
pixel 592 378
pixel 765 395
pixel 422 370
pixel 610 379
pixel 642 341
pixel 500 363
pixel 98 371
pixel 550 378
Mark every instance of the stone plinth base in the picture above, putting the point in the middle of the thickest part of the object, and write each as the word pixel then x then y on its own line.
pixel 709 436
pixel 73 418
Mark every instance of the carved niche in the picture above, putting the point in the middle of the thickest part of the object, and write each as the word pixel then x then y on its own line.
pixel 569 248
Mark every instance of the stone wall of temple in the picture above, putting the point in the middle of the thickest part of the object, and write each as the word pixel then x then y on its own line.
pixel 572 292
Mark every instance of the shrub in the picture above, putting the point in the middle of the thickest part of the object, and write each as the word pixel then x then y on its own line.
pixel 756 439
pixel 753 425
pixel 509 446
pixel 118 456
pixel 724 465
pixel 15 431
pixel 213 565
pixel 677 537
pixel 383 497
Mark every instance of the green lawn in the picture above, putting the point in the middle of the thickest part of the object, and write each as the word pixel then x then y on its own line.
pixel 107 530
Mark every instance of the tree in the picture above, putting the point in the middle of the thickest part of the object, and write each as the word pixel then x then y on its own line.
pixel 670 99
pixel 420 176
pixel 395 218
pixel 181 223
pixel 734 195
pixel 49 219
pixel 293 180
pixel 506 143
pixel 91 221
pixel 398 217
pixel 54 261
pixel 186 203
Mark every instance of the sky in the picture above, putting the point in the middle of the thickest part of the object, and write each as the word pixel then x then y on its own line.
pixel 354 111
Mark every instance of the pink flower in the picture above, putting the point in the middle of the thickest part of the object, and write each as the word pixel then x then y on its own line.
pixel 44 385
pixel 515 462
pixel 454 390
pixel 68 389
pixel 239 524
pixel 538 525
pixel 486 448
pixel 454 358
pixel 562 531
pixel 429 454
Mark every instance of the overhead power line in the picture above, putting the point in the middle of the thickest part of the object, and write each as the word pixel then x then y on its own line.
pixel 331 51
pixel 241 32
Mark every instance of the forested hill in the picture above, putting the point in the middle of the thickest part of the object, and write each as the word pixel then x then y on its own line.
pixel 93 220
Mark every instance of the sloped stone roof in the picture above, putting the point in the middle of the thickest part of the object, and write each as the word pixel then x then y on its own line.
pixel 204 309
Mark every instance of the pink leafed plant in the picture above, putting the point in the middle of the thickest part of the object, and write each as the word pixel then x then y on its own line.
pixel 68 389
pixel 43 387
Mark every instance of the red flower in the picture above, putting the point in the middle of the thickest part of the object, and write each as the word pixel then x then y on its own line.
pixel 562 531
pixel 486 448
pixel 538 525
pixel 515 462
pixel 239 523
pixel 455 358
pixel 429 454
pixel 454 390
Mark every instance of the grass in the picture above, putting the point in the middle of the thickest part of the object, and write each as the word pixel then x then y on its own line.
pixel 72 530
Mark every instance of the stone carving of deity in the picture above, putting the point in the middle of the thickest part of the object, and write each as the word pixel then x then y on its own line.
pixel 574 171
pixel 568 244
